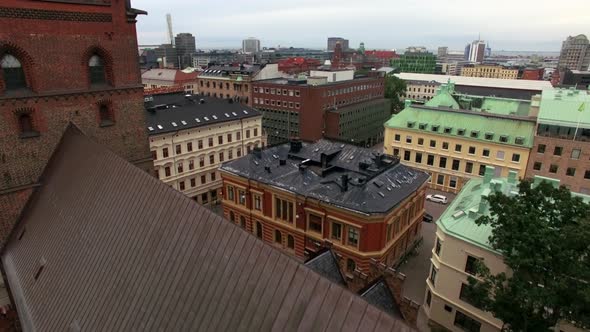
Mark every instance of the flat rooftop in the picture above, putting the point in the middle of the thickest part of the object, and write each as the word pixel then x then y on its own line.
pixel 478 81
pixel 341 175
pixel 177 111
pixel 565 107
pixel 303 82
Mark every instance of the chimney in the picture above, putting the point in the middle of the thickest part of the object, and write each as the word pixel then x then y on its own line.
pixel 282 162
pixel 201 101
pixel 295 145
pixel 482 204
pixel 344 182
pixel 488 175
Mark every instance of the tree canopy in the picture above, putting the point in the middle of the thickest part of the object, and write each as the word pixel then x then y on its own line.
pixel 394 89
pixel 544 236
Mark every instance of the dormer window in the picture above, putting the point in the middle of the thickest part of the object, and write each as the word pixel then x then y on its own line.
pixel 422 126
pixel 474 134
pixel 503 138
pixel 519 140
pixel 448 130
pixel 411 124
pixel 489 136
pixel 96 70
pixel 13 73
pixel 435 128
pixel 461 131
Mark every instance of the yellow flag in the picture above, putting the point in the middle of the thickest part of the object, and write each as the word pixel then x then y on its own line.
pixel 582 107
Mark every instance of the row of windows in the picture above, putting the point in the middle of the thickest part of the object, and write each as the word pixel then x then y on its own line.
pixel 414 89
pixel 278 92
pixel 462 132
pixel 398 223
pixel 500 155
pixel 554 168
pixel 188 147
pixel 316 224
pixel 191 163
pixel 182 185
pixel 276 103
pixel 352 100
pixel 558 151
pixel 361 87
pixel 220 85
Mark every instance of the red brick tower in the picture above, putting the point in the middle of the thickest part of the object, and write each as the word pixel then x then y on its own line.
pixel 60 62
pixel 337 56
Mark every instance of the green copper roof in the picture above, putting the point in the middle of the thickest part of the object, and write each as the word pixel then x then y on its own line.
pixel 459 218
pixel 564 107
pixel 466 124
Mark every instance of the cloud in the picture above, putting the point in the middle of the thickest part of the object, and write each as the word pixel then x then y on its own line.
pixel 506 24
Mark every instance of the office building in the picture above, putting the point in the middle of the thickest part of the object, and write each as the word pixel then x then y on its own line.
pixel 459 243
pixel 575 53
pixel 442 52
pixel 454 137
pixel 203 59
pixel 166 56
pixel 304 197
pixel 415 60
pixel 332 41
pixel 191 136
pixel 311 108
pixel 561 148
pixel 476 86
pixel 273 55
pixel 489 71
pixel 185 49
pixel 251 45
pixel 476 51
pixel 575 78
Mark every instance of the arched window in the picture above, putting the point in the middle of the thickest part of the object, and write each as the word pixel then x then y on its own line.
pixel 290 242
pixel 105 115
pixel 96 70
pixel 13 73
pixel 26 124
pixel 259 230
pixel 243 222
pixel 278 236
pixel 350 265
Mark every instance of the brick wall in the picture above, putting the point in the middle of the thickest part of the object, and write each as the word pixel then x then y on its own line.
pixel 54 41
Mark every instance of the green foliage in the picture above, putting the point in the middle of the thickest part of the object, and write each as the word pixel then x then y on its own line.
pixel 544 236
pixel 394 89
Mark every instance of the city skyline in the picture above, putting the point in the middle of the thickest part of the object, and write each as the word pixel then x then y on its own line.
pixel 226 29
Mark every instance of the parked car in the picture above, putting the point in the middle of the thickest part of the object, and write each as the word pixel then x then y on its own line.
pixel 427 217
pixel 437 199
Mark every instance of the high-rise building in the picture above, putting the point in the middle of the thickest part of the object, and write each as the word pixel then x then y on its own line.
pixel 442 52
pixel 476 51
pixel 575 53
pixel 332 41
pixel 186 49
pixel 251 45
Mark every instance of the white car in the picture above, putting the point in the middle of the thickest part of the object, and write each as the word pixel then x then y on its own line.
pixel 437 199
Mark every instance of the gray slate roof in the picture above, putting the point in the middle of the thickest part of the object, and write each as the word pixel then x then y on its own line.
pixel 105 246
pixel 171 112
pixel 376 187
pixel 326 265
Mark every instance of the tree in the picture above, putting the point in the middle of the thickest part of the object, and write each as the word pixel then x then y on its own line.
pixel 394 89
pixel 544 235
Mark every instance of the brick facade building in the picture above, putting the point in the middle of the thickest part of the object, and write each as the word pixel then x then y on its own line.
pixel 60 63
pixel 301 197
pixel 302 108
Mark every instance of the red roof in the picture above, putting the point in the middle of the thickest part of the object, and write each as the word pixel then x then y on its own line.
pixel 382 54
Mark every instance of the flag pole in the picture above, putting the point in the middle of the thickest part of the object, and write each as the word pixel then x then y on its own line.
pixel 580 110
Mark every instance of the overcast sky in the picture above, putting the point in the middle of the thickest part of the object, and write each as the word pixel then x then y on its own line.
pixel 522 25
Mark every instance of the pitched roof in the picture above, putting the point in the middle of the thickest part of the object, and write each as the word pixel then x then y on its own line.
pixel 170 75
pixel 375 183
pixel 379 295
pixel 120 250
pixel 326 265
pixel 478 81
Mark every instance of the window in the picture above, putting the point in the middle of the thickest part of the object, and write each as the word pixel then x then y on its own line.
pixel 553 168
pixel 519 140
pixel 284 210
pixel 96 70
pixel 482 170
pixel 212 159
pixel 472 150
pixel 470 265
pixel 453 182
pixel 537 166
pixel 243 222
pixel 193 182
pixel 422 126
pixel 203 179
pixel 466 323
pixel 178 149
pixel 13 73
pixel 587 174
pixel 180 168
pixel 221 157
pixel 230 154
pixel 255 132
pixel 210 141
pixel 486 153
pixel 200 144
pixel 397 137
pixel 500 155
pixel 576 154
pixel 458 147
pixel 201 162
pixel 409 139
pixel 336 231
pixel 290 242
pixel 435 128
pixel 445 145
pixel 428 298
pixel 167 171
pixel 432 143
pixel 230 193
pixel 466 296
pixel 541 148
pixel 440 180
pixel 220 139
pixel 430 160
pixel 516 157
pixel 213 176
pixel 448 130
pixel 257 203
pixel 503 138
pixel 181 185
pixel 350 265
pixel 407 155
pixel 189 146
pixel 278 237
pixel 314 223
pixel 570 171
pixel 461 131
pixel 105 115
pixel 474 134
pixel 437 247
pixel 25 123
pixel 420 141
pixel 418 158
pixel 259 230
pixel 456 165
pixel 191 164
pixel 557 151
pixel 489 136
pixel 155 155
pixel 353 236
pixel 442 162
pixel 433 272
pixel 469 167
pixel 241 197
pixel 239 152
pixel 396 152
pixel 165 152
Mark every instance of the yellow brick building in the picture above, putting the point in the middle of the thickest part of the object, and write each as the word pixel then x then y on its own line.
pixel 454 137
pixel 489 71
